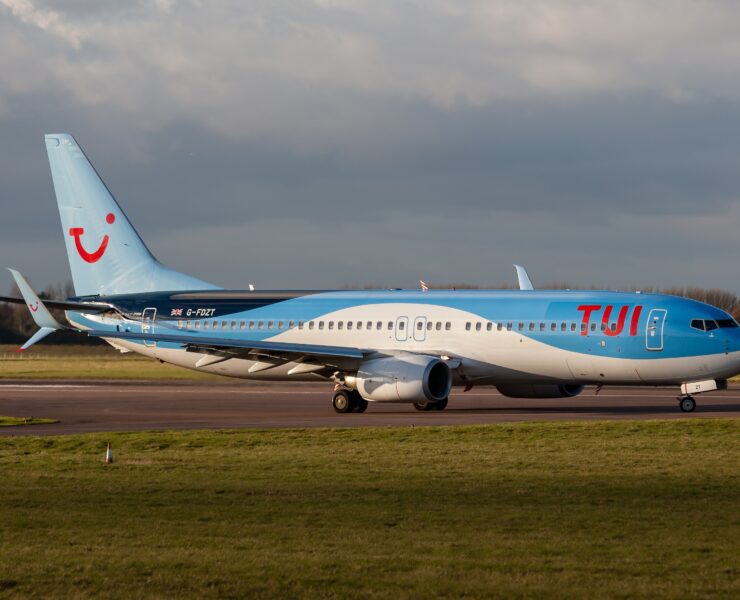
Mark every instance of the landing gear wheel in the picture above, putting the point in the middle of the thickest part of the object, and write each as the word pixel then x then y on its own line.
pixel 687 404
pixel 441 405
pixel 361 405
pixel 342 402
pixel 423 406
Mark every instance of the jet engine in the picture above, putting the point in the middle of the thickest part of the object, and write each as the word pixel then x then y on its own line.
pixel 539 390
pixel 405 378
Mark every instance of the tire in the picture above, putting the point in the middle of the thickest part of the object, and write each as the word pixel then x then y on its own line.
pixel 342 402
pixel 423 406
pixel 687 404
pixel 362 405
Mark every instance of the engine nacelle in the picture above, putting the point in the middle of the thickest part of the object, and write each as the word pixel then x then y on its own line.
pixel 406 378
pixel 539 390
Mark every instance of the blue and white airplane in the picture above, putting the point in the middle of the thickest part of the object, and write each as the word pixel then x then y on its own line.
pixel 374 346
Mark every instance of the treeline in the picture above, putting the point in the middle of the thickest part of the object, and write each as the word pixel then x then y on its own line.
pixel 16 325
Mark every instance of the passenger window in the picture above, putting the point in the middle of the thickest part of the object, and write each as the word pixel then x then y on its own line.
pixel 270 324
pixel 331 324
pixel 206 324
pixel 542 326
pixel 603 327
pixel 310 324
pixel 521 326
pixel 197 324
pixel 379 325
pixel 572 326
pixel 281 324
pixel 489 327
pixel 419 326
pixel 215 324
pixel 359 325
pixel 291 324
pixel 251 324
pixel 300 324
pixel 179 324
pixel 531 326
pixel 340 324
pixel 187 325
pixel 593 326
pixel 583 327
pixel 321 324
pixel 562 327
pixel 438 326
pixel 224 324
pixel 448 326
pixel 508 326
pixel 429 325
pixel 349 325
pixel 467 326
pixel 242 325
pixel 478 326
pixel 390 325
pixel 499 326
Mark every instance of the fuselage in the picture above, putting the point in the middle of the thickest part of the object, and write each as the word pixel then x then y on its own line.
pixel 578 337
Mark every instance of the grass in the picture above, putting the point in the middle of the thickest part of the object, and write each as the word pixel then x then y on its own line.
pixel 88 362
pixel 561 510
pixel 13 421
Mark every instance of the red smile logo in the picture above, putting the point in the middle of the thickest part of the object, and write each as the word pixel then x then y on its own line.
pixel 34 307
pixel 91 257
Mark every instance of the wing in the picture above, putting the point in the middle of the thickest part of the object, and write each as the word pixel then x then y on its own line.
pixel 87 307
pixel 268 354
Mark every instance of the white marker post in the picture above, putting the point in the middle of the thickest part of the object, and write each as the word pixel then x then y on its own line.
pixel 109 455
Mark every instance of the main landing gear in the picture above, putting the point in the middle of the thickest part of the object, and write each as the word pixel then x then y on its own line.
pixel 441 405
pixel 687 404
pixel 347 401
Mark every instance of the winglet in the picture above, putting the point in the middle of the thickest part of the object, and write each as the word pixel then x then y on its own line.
pixel 525 283
pixel 39 312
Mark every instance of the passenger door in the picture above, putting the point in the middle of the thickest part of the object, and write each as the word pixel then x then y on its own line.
pixel 402 329
pixel 654 329
pixel 147 324
pixel 420 329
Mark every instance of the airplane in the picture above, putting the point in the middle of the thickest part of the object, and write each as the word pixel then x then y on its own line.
pixel 408 346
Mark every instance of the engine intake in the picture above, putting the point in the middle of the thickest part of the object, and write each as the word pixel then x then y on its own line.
pixel 406 378
pixel 540 390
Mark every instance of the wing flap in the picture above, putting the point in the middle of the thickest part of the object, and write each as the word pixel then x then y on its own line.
pixel 250 349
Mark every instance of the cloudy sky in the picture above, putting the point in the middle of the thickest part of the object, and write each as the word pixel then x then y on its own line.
pixel 338 142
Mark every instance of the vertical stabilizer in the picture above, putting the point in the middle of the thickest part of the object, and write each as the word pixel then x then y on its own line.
pixel 106 255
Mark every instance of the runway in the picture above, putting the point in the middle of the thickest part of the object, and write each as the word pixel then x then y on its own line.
pixel 93 407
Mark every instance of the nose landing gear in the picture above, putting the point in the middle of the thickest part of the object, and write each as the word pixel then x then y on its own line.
pixel 687 404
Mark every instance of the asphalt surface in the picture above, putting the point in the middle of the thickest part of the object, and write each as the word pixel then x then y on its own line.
pixel 93 407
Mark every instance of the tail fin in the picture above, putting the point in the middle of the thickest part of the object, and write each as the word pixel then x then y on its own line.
pixel 106 255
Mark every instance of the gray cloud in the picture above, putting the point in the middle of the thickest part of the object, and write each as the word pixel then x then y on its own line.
pixel 330 143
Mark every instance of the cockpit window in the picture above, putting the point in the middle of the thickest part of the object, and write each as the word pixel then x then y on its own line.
pixel 711 325
pixel 726 323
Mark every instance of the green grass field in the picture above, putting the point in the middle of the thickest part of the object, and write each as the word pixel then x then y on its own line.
pixel 621 509
pixel 14 421
pixel 88 362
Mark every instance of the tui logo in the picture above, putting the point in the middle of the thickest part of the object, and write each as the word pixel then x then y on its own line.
pixel 91 257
